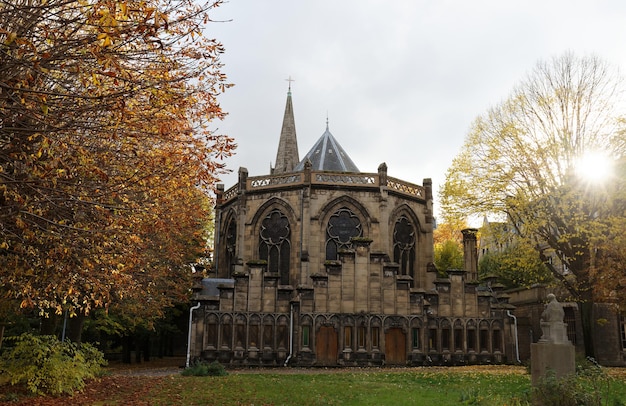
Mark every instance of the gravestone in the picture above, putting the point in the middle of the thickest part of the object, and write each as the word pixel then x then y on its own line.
pixel 554 352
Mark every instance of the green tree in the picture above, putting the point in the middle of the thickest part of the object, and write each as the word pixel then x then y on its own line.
pixel 516 266
pixel 521 161
pixel 448 255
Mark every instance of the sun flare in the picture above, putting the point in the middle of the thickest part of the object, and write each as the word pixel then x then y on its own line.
pixel 594 167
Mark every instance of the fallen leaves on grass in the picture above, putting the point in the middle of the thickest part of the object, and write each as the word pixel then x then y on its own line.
pixel 109 390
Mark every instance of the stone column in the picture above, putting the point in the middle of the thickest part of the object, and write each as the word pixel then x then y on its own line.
pixel 470 254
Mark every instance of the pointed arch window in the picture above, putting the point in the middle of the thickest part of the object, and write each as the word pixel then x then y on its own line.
pixel 404 245
pixel 275 244
pixel 342 226
pixel 231 245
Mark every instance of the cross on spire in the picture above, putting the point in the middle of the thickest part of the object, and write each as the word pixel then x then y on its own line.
pixel 290 80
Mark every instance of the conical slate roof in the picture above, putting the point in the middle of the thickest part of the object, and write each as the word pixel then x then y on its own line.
pixel 328 155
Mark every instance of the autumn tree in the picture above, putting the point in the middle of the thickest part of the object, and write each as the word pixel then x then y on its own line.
pixel 521 161
pixel 106 150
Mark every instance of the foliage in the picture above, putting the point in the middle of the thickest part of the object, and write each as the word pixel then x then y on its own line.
pixel 521 161
pixel 448 255
pixel 202 368
pixel 515 266
pixel 106 151
pixel 47 365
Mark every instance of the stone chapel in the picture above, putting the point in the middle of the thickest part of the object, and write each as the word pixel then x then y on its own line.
pixel 320 264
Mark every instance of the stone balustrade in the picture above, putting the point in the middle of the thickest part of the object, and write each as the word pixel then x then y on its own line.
pixel 299 179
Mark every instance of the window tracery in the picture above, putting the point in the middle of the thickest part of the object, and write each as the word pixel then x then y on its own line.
pixel 342 226
pixel 404 245
pixel 275 244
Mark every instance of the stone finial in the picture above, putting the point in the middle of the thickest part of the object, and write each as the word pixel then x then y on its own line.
pixel 382 174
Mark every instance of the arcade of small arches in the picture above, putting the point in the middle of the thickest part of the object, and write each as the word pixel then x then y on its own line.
pixel 351 340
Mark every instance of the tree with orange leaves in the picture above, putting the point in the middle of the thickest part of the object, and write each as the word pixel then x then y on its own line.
pixel 106 150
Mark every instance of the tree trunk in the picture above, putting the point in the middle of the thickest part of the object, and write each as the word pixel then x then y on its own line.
pixel 126 342
pixel 137 350
pixel 48 325
pixel 75 328
pixel 146 348
pixel 586 316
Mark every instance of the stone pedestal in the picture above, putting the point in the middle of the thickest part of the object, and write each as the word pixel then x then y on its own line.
pixel 546 356
pixel 554 332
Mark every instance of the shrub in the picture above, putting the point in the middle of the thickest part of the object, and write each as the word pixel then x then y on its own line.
pixel 568 391
pixel 590 386
pixel 46 365
pixel 202 368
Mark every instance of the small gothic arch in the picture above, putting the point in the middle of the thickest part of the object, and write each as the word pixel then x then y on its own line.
pixel 282 332
pixel 226 334
pixel 483 336
pixel 458 335
pixel 268 332
pixel 496 336
pixel 416 334
pixel 446 335
pixel 240 331
pixel 433 335
pixel 375 330
pixel 211 322
pixel 306 329
pixel 254 331
pixel 471 336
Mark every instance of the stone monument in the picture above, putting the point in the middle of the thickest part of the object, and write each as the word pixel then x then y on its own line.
pixel 554 352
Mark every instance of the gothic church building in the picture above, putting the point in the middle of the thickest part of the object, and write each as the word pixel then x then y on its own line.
pixel 320 264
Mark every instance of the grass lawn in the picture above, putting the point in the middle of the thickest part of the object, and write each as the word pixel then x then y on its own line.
pixel 471 385
pixel 485 385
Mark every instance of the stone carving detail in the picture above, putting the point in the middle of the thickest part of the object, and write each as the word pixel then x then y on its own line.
pixel 349 179
pixel 552 326
pixel 231 193
pixel 274 180
pixel 405 187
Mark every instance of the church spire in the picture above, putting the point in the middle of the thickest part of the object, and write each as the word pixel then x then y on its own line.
pixel 287 156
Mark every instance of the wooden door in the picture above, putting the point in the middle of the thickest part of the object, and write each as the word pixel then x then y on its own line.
pixel 395 346
pixel 326 346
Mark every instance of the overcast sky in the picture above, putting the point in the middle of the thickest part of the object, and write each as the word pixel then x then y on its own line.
pixel 400 81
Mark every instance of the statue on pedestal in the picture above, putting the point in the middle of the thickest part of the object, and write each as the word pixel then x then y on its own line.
pixel 552 326
pixel 554 352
